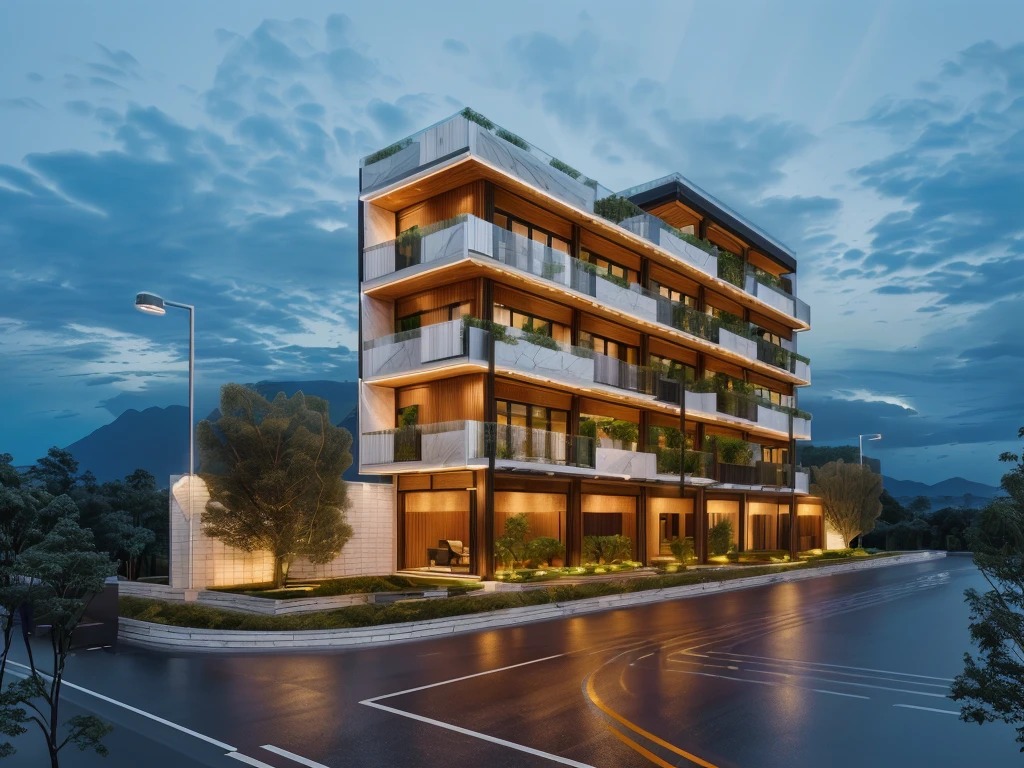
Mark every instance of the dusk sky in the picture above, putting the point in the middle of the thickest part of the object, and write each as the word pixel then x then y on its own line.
pixel 208 152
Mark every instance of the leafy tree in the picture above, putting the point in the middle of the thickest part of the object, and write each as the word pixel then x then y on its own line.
pixel 543 549
pixel 820 455
pixel 720 538
pixel 892 510
pixel 683 549
pixel 121 535
pixel 274 474
pixel 511 546
pixel 8 474
pixel 607 549
pixel 850 497
pixel 57 471
pixel 920 505
pixel 991 687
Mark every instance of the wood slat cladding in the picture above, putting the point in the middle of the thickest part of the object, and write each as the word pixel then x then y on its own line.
pixel 599 245
pixel 656 419
pixel 431 516
pixel 771 325
pixel 718 430
pixel 782 387
pixel 438 298
pixel 452 480
pixel 600 327
pixel 718 301
pixel 609 410
pixel 545 511
pixel 414 482
pixel 715 365
pixel 520 208
pixel 673 279
pixel 725 240
pixel 758 259
pixel 446 400
pixel 504 389
pixel 468 198
pixel 532 305
pixel 531 484
pixel 676 214
pixel 672 351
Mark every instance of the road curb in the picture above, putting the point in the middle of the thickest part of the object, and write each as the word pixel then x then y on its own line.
pixel 170 638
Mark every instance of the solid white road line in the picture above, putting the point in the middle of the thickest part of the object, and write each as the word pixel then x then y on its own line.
pixel 804 669
pixel 928 709
pixel 292 756
pixel 137 711
pixel 798 674
pixel 837 693
pixel 477 735
pixel 248 760
pixel 464 677
pixel 836 666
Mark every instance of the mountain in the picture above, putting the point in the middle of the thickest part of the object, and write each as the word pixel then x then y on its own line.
pixel 155 439
pixel 952 492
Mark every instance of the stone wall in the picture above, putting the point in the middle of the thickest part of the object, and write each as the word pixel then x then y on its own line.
pixel 370 551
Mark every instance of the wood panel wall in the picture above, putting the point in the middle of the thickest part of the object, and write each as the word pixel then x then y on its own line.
pixel 505 389
pixel 609 410
pixel 725 240
pixel 453 399
pixel 676 214
pixel 718 301
pixel 438 299
pixel 596 244
pixel 534 214
pixel 672 351
pixel 532 305
pixel 601 327
pixel 545 511
pixel 468 198
pixel 771 325
pixel 431 516
pixel 759 380
pixel 666 276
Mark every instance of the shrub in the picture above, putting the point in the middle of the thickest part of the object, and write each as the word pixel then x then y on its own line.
pixel 539 339
pixel 683 549
pixel 607 549
pixel 511 548
pixel 565 168
pixel 381 154
pixel 733 450
pixel 720 538
pixel 544 549
pixel 511 138
pixel 616 209
pixel 476 117
pixel 499 331
pixel 693 240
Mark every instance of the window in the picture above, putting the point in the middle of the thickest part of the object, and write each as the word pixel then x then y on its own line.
pixel 532 416
pixel 408 323
pixel 440 315
pixel 616 270
pixel 775 397
pixel 774 455
pixel 518 226
pixel 672 294
pixel 615 349
pixel 608 432
pixel 672 368
pixel 769 336
pixel 515 319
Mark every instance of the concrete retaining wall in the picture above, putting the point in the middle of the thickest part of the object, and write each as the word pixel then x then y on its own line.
pixel 185 638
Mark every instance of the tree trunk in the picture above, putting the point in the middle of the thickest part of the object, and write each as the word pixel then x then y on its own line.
pixel 281 565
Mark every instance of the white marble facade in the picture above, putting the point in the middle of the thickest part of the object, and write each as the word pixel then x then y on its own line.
pixel 634 464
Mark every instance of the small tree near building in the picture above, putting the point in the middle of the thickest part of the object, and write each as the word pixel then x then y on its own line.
pixel 850 497
pixel 274 470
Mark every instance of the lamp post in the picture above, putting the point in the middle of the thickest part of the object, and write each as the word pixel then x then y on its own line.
pixel 152 304
pixel 860 438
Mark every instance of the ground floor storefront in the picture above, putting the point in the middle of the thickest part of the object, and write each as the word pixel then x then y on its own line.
pixel 449 521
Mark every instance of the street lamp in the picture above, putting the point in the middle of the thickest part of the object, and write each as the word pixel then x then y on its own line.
pixel 861 439
pixel 152 304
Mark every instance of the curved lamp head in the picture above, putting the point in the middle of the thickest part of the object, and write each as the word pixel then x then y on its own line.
pixel 875 437
pixel 150 303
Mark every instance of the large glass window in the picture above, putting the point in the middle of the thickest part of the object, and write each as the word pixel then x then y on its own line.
pixel 526 322
pixel 429 317
pixel 615 349
pixel 609 266
pixel 672 294
pixel 518 226
pixel 672 369
pixel 532 416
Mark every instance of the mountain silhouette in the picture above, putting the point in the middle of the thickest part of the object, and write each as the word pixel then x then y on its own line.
pixel 952 492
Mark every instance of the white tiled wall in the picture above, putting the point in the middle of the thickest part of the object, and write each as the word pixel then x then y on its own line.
pixel 370 551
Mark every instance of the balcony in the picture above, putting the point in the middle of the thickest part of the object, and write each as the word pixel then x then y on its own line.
pixel 467 237
pixel 423 348
pixel 469 133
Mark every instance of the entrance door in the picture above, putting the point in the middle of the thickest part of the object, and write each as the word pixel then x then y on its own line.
pixel 668 529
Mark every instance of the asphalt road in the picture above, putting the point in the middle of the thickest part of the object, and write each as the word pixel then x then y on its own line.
pixel 848 670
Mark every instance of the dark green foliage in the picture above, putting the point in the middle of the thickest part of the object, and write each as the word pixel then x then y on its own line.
pixel 565 168
pixel 511 138
pixel 683 549
pixel 544 549
pixel 607 549
pixel 820 455
pixel 697 464
pixel 475 117
pixel 616 209
pixel 350 585
pixel 549 269
pixel 499 331
pixel 274 474
pixel 991 687
pixel 8 474
pixel 57 471
pixel 510 548
pixel 382 154
pixel 920 505
pixel 695 241
pixel 604 274
pixel 731 450
pixel 720 538
pixel 731 268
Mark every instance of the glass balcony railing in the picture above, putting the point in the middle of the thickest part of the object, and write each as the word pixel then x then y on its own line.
pixel 471 132
pixel 462 235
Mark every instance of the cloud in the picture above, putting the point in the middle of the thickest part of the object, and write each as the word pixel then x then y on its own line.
pixel 22 102
pixel 456 47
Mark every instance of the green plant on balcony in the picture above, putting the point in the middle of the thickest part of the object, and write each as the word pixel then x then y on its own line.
pixel 697 242
pixel 382 154
pixel 734 324
pixel 620 430
pixel 695 464
pixel 668 459
pixel 511 138
pixel 731 268
pixel 616 209
pixel 731 450
pixel 549 269
pixel 475 117
pixel 720 538
pixel 565 168
pixel 538 338
pixel 767 278
pixel 607 549
pixel 604 274
pixel 497 330
pixel 683 549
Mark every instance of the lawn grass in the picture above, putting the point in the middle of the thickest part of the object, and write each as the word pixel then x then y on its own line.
pixel 203 617
pixel 350 585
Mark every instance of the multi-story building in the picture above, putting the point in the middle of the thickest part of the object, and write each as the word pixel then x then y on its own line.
pixel 606 363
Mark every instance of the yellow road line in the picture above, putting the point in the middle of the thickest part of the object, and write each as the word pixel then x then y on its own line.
pixel 637 748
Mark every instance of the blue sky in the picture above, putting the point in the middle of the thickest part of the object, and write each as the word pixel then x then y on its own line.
pixel 208 152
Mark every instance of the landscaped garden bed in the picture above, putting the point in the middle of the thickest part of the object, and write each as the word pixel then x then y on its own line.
pixel 352 585
pixel 204 617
